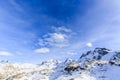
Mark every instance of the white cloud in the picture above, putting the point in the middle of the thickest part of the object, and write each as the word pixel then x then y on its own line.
pixel 89 44
pixel 4 53
pixel 42 50
pixel 58 38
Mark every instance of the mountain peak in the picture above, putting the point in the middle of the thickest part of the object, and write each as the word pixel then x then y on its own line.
pixel 96 54
pixel 98 49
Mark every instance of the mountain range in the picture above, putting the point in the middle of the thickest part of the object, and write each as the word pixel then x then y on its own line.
pixel 97 64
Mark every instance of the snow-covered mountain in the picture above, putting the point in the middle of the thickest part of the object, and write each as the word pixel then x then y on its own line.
pixel 99 64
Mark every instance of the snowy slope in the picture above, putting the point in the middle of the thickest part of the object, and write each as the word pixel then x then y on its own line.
pixel 99 64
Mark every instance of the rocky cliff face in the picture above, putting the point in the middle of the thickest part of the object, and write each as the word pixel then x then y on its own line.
pixel 99 64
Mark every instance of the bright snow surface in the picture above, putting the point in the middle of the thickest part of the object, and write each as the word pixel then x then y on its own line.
pixel 88 67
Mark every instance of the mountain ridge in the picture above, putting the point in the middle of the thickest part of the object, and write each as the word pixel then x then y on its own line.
pixel 97 64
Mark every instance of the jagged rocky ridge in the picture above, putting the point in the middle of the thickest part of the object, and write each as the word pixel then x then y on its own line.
pixel 99 64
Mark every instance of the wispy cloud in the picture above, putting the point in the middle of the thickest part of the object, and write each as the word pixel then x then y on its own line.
pixel 42 50
pixel 5 53
pixel 61 29
pixel 17 6
pixel 58 38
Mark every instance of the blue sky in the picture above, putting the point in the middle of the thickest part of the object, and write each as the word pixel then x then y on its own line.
pixel 37 30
